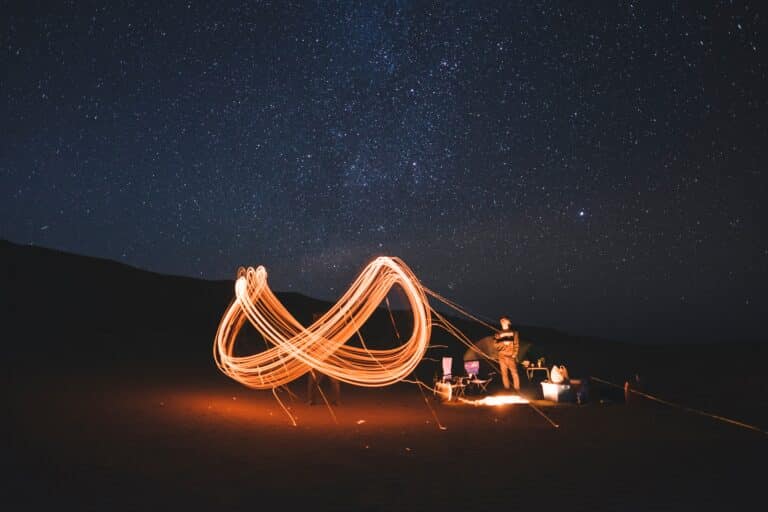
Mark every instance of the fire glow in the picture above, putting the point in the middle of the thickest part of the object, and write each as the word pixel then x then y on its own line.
pixel 497 400
pixel 293 350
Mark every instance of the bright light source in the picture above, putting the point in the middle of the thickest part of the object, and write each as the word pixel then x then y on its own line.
pixel 498 400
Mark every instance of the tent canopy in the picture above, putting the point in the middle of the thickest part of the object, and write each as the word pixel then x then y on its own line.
pixel 485 348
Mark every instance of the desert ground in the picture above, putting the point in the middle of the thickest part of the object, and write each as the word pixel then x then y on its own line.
pixel 113 402
pixel 120 439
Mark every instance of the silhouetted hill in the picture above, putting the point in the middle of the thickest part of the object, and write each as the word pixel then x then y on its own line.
pixel 65 309
pixel 59 305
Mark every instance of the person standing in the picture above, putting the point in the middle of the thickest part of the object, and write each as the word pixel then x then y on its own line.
pixel 315 381
pixel 508 345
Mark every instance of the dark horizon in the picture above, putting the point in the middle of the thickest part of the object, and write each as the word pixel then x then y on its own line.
pixel 397 305
pixel 595 169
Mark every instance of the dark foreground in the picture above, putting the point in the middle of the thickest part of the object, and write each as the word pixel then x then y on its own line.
pixel 133 442
pixel 112 402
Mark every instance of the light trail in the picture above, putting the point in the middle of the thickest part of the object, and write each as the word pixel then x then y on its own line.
pixel 294 349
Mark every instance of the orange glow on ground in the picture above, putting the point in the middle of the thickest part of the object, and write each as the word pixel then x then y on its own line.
pixel 496 400
pixel 362 410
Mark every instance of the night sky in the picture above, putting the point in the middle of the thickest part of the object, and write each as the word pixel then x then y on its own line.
pixel 594 168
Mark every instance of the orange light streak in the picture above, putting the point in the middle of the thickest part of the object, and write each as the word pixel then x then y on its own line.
pixel 295 349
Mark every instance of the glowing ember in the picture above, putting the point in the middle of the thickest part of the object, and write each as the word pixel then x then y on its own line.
pixel 498 400
pixel 294 349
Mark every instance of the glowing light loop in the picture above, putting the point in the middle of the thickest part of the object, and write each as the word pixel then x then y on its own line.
pixel 294 349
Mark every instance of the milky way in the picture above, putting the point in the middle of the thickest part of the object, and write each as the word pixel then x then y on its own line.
pixel 595 169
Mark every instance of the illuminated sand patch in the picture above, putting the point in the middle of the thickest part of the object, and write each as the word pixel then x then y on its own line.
pixel 496 400
pixel 366 411
pixel 295 349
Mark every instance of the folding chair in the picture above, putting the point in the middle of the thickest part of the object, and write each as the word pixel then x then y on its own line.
pixel 473 370
pixel 447 386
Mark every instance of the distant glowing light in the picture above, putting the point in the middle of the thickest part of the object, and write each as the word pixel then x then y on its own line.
pixel 293 349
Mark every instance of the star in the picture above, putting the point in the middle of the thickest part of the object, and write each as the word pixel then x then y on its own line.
pixel 465 141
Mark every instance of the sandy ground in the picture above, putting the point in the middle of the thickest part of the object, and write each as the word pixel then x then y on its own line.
pixel 112 402
pixel 132 442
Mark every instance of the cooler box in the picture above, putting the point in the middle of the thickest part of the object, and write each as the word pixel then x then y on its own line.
pixel 557 392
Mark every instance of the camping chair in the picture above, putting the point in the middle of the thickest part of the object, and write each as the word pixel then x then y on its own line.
pixel 449 387
pixel 473 379
pixel 472 368
pixel 447 369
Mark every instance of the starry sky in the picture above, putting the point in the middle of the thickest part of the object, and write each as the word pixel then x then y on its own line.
pixel 597 168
